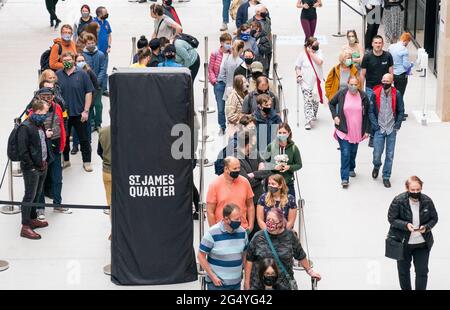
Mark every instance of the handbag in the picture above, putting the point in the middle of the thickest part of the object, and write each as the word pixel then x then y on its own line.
pixel 319 87
pixel 395 249
pixel 292 282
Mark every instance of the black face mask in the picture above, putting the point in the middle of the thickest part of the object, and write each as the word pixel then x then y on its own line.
pixel 168 2
pixel 263 14
pixel 261 91
pixel 315 48
pixel 105 16
pixel 415 195
pixel 248 61
pixel 269 280
pixel 253 32
pixel 267 110
pixel 234 174
pixel 386 86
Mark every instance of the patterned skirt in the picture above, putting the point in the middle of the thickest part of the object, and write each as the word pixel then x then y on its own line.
pixel 393 23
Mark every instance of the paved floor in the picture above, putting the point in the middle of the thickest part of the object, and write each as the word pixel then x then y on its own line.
pixel 346 228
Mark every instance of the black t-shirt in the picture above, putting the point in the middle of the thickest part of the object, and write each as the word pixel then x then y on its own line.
pixel 376 67
pixel 310 13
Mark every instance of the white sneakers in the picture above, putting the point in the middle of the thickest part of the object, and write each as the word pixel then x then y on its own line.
pixel 308 126
pixel 87 167
pixel 62 210
pixel 224 27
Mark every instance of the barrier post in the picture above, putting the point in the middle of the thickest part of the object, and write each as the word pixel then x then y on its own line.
pixel 10 209
pixel 274 62
pixel 133 48
pixel 3 265
pixel 339 34
pixel 364 29
pixel 206 75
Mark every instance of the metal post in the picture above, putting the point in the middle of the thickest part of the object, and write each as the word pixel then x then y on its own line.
pixel 364 29
pixel 10 209
pixel 339 34
pixel 206 75
pixel 274 62
pixel 107 270
pixel 298 104
pixel 204 110
pixel 202 205
pixel 133 48
pixel 424 110
pixel 3 265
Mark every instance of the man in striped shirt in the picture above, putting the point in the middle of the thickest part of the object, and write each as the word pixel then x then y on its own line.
pixel 222 251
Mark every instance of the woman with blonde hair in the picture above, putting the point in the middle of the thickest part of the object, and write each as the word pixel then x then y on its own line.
pixel 354 48
pixel 233 107
pixel 276 197
pixel 338 77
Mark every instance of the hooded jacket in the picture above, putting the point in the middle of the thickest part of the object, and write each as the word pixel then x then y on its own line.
pixel 55 61
pixel 294 162
pixel 98 63
pixel 334 78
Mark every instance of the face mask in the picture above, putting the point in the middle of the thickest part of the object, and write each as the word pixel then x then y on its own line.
pixel 386 86
pixel 235 224
pixel 353 89
pixel 105 16
pixel 90 48
pixel 234 174
pixel 261 91
pixel 248 61
pixel 168 2
pixel 253 32
pixel 68 65
pixel 227 47
pixel 269 280
pixel 38 119
pixel 81 64
pixel 66 37
pixel 263 14
pixel 348 62
pixel 282 138
pixel 414 195
pixel 271 226
pixel 352 40
pixel 245 36
pixel 272 189
pixel 267 110
pixel 85 15
pixel 315 48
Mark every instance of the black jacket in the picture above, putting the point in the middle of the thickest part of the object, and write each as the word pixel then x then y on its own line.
pixel 29 146
pixel 337 109
pixel 264 50
pixel 400 215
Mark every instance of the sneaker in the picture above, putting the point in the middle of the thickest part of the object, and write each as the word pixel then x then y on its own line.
pixel 352 174
pixel 106 93
pixel 195 216
pixel 308 126
pixel 66 164
pixel 58 21
pixel 386 183
pixel 62 210
pixel 107 211
pixel 375 172
pixel 74 150
pixel 371 142
pixel 41 215
pixel 87 167
pixel 345 184
pixel 224 27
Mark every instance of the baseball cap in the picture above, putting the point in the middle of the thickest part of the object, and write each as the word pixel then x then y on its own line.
pixel 257 66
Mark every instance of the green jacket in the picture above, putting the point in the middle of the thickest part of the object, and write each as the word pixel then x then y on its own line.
pixel 294 161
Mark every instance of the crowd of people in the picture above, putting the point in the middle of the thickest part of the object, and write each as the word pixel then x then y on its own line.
pixel 251 205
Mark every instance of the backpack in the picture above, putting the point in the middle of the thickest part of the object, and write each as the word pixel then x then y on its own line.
pixel 189 39
pixel 13 145
pixel 45 57
pixel 218 164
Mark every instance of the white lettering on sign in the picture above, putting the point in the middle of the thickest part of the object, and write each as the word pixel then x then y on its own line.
pixel 151 185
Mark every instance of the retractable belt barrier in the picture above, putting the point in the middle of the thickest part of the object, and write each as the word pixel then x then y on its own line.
pixel 53 205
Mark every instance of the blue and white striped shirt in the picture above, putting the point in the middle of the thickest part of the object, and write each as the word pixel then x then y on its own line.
pixel 225 252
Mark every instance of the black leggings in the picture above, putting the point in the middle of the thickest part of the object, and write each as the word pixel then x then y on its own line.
pixel 51 8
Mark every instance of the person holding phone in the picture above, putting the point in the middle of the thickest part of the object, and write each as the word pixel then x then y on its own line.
pixel 412 216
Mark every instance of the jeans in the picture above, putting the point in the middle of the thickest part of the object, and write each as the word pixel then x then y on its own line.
pixel 379 140
pixel 194 68
pixel 309 27
pixel 369 93
pixel 33 181
pixel 400 82
pixel 225 11
pixel 348 157
pixel 81 129
pixel 212 287
pixel 54 173
pixel 291 190
pixel 219 90
pixel 51 8
pixel 420 254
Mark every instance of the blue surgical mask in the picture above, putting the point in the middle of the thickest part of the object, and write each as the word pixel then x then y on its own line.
pixel 282 138
pixel 38 119
pixel 66 37
pixel 227 47
pixel 81 64
pixel 235 224
pixel 245 36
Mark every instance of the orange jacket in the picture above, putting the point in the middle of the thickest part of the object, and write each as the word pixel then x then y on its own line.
pixel 55 61
pixel 333 80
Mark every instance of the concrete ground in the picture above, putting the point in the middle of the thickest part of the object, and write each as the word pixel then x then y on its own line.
pixel 346 228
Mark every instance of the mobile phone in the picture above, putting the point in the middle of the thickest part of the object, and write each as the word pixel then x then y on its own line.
pixel 417 229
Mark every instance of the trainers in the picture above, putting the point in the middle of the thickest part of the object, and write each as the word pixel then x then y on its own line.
pixel 308 126
pixel 195 216
pixel 224 27
pixel 352 174
pixel 87 167
pixel 344 184
pixel 107 211
pixel 386 183
pixel 66 164
pixel 375 172
pixel 74 150
pixel 62 210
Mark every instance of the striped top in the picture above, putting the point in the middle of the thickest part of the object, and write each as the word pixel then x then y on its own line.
pixel 225 251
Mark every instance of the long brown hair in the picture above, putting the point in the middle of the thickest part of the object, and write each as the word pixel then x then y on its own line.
pixel 238 85
pixel 270 200
pixel 288 128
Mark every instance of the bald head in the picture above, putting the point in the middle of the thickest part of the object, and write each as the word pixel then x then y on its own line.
pixel 387 78
pixel 232 166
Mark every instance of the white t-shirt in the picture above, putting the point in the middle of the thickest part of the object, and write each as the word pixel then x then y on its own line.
pixel 165 27
pixel 251 11
pixel 416 237
pixel 309 77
